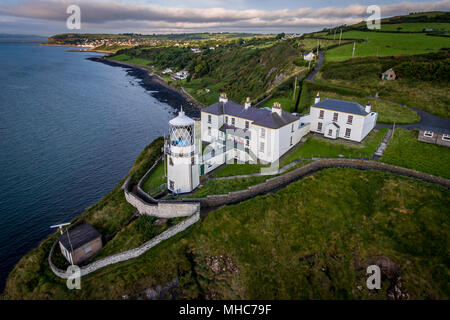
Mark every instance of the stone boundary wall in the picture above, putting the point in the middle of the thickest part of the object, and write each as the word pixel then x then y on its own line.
pixel 160 209
pixel 275 183
pixel 127 255
pixel 146 175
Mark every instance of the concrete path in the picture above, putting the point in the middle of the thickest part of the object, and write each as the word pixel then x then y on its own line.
pixel 383 145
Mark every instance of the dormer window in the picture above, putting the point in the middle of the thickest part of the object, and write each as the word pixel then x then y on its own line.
pixel 428 134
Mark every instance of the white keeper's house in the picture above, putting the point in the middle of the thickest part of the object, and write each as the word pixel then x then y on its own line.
pixel 244 133
pixel 341 119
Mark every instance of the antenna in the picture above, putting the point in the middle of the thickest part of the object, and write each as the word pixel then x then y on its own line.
pixel 340 37
pixel 59 226
pixel 353 52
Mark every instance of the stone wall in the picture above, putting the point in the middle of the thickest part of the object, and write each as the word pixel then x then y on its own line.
pixel 130 254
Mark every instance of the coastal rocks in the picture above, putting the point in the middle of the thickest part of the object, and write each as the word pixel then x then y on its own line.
pixel 168 292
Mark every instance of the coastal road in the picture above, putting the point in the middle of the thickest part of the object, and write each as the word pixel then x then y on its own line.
pixel 311 76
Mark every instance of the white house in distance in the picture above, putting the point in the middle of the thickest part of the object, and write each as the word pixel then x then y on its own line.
pixel 309 56
pixel 341 119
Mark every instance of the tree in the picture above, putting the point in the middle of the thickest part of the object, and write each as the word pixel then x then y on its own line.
pixel 280 35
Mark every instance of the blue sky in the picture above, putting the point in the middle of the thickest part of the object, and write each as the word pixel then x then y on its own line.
pixel 47 17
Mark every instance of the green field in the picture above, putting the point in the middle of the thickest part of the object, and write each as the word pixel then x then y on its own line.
pixel 386 44
pixel 405 151
pixel 319 234
pixel 415 27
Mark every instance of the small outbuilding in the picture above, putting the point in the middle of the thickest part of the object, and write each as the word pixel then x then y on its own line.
pixel 80 243
pixel 389 74
pixel 440 136
pixel 310 56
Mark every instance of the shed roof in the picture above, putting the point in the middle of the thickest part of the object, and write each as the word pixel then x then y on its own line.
pixel 342 106
pixel 435 129
pixel 79 236
pixel 260 117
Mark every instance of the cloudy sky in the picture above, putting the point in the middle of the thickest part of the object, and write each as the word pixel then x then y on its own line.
pixel 47 17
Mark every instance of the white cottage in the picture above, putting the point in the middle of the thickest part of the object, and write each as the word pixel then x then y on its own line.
pixel 341 119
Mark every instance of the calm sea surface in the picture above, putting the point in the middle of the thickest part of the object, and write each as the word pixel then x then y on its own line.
pixel 70 129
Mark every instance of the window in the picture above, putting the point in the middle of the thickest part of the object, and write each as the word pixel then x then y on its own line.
pixel 171 185
pixel 350 120
pixel 247 141
pixel 247 124
pixel 213 153
pixel 261 147
pixel 193 160
pixel 233 121
pixel 87 249
pixel 170 161
pixel 209 131
pixel 446 137
pixel 319 126
pixel 226 119
pixel 209 118
pixel 330 132
pixel 321 113
pixel 291 141
pixel 428 134
pixel 348 132
pixel 335 116
pixel 263 133
pixel 292 128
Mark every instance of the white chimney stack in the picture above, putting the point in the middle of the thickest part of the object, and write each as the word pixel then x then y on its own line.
pixel 276 108
pixel 223 98
pixel 317 99
pixel 248 104
pixel 368 107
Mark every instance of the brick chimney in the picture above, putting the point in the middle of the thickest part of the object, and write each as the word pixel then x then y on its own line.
pixel 276 108
pixel 223 97
pixel 368 107
pixel 248 104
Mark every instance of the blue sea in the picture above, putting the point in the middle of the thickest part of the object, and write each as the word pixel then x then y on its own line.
pixel 70 129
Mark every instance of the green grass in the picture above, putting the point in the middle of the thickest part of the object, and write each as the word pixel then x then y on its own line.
pixel 340 218
pixel 320 147
pixel 225 186
pixel 363 76
pixel 287 103
pixel 415 27
pixel 237 169
pixel 155 180
pixel 387 44
pixel 405 150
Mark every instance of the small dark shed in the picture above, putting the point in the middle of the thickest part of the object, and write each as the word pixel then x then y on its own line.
pixel 80 243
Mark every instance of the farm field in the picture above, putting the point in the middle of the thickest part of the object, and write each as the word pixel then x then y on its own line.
pixel 415 27
pixel 386 44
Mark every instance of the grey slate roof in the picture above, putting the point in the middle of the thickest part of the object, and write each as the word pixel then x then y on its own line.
pixel 79 236
pixel 435 129
pixel 260 117
pixel 341 105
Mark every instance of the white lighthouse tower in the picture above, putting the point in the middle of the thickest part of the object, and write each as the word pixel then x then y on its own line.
pixel 181 157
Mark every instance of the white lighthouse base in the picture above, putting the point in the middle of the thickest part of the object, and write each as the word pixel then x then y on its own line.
pixel 182 175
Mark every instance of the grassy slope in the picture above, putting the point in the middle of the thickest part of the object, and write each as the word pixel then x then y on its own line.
pixel 155 180
pixel 363 76
pixel 335 216
pixel 108 216
pixel 388 44
pixel 404 150
pixel 415 27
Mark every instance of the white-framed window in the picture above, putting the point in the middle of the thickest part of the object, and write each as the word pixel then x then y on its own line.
pixel 87 249
pixel 263 133
pixel 428 134
pixel 321 114
pixel 335 116
pixel 291 142
pixel 226 119
pixel 171 184
pixel 446 137
pixel 247 141
pixel 348 132
pixel 247 124
pixel 349 119
pixel 233 121
pixel 330 132
pixel 261 147
pixel 292 128
pixel 170 161
pixel 319 126
pixel 209 118
pixel 209 131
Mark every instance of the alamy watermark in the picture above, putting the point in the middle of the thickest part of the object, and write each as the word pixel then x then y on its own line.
pixel 74 279
pixel 374 280
pixel 374 20
pixel 74 20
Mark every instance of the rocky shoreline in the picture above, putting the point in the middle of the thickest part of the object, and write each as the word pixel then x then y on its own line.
pixel 173 96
